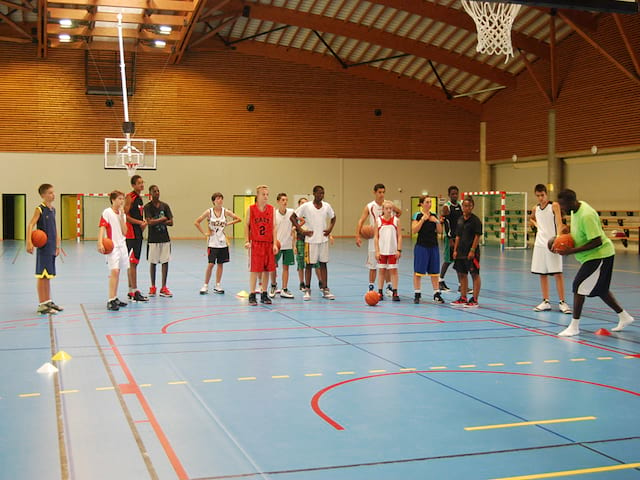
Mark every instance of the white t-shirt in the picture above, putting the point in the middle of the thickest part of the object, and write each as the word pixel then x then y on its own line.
pixel 217 239
pixel 316 220
pixel 283 228
pixel 546 220
pixel 387 235
pixel 375 211
pixel 111 221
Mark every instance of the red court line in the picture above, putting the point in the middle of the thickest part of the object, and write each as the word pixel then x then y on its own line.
pixel 566 339
pixel 162 438
pixel 315 401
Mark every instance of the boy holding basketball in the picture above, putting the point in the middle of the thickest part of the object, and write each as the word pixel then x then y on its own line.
pixel 113 225
pixel 259 236
pixel 426 256
pixel 285 236
pixel 44 219
pixel 595 251
pixel 547 219
pixel 466 255
pixel 388 242
pixel 371 212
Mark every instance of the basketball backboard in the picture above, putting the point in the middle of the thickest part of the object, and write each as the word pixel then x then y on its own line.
pixel 139 151
pixel 612 6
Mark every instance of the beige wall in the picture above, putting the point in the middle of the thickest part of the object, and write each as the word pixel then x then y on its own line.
pixel 186 182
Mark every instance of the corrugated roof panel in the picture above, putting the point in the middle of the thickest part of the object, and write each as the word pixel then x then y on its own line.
pixel 385 17
pixel 287 36
pixel 409 23
pixel 370 17
pixel 357 14
pixel 304 5
pixel 416 66
pixel 443 35
pixel 358 50
pixel 429 35
pixel 402 64
pixel 332 8
pixel 348 47
pixel 398 20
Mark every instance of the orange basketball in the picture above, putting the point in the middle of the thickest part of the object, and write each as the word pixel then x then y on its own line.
pixel 38 238
pixel 372 298
pixel 366 232
pixel 562 242
pixel 107 243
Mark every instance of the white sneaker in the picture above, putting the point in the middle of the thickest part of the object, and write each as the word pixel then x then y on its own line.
pixel 218 289
pixel 272 291
pixel 326 293
pixel 389 291
pixel 571 330
pixel 204 290
pixel 564 308
pixel 285 293
pixel 307 295
pixel 625 320
pixel 543 307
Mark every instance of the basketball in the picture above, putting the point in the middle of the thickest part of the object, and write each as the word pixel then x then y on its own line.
pixel 372 298
pixel 366 232
pixel 38 238
pixel 561 243
pixel 107 243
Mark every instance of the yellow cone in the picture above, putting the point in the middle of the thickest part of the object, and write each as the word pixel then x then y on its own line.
pixel 61 355
pixel 242 294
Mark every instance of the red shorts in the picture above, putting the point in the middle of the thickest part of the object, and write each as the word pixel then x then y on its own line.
pixel 388 261
pixel 262 257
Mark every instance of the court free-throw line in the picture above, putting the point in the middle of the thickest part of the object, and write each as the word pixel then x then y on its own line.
pixel 534 422
pixel 567 473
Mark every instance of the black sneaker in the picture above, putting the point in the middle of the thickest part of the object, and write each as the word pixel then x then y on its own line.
pixel 121 303
pixel 437 298
pixel 389 291
pixel 443 287
pixel 371 287
pixel 55 307
pixel 416 297
pixel 395 297
pixel 264 298
pixel 381 294
pixel 138 297
pixel 113 305
pixel 252 299
pixel 45 309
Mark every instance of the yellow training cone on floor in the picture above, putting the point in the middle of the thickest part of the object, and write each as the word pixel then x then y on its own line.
pixel 61 355
pixel 242 294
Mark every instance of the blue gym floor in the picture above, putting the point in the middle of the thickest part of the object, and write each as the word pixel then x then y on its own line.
pixel 206 387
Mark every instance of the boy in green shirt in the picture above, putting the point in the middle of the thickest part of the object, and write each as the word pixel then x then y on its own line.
pixel 595 251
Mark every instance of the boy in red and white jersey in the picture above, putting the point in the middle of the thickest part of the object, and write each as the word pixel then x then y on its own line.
pixel 113 225
pixel 388 241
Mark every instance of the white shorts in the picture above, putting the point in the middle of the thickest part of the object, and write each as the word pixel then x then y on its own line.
pixel 118 258
pixel 318 252
pixel 371 262
pixel 545 262
pixel 159 252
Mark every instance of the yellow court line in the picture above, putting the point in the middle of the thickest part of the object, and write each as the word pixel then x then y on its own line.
pixel 100 389
pixel 552 361
pixel 524 363
pixel 535 422
pixel 495 364
pixel 25 395
pixel 408 369
pixel 179 382
pixel 467 366
pixel 377 371
pixel 345 373
pixel 69 391
pixel 280 376
pixel 437 368
pixel 211 380
pixel 630 356
pixel 578 359
pixel 144 385
pixel 312 374
pixel 567 473
pixel 241 379
pixel 605 358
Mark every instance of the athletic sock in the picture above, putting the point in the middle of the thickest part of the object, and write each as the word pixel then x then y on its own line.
pixel 624 320
pixel 572 329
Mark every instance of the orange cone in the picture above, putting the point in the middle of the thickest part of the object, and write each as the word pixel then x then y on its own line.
pixel 602 331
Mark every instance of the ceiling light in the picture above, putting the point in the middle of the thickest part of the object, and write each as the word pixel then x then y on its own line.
pixel 66 23
pixel 164 29
pixel 63 37
pixel 159 43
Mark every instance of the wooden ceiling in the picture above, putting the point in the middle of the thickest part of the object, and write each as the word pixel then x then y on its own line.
pixel 425 46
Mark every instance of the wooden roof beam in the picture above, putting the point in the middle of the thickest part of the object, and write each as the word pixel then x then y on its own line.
pixel 375 37
pixel 163 5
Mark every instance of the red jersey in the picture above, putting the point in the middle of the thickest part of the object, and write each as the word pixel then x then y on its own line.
pixel 136 210
pixel 261 223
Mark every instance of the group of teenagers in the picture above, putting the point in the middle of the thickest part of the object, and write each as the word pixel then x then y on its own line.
pixel 282 234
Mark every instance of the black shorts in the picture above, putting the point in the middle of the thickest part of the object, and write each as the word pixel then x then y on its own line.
pixel 465 265
pixel 594 277
pixel 45 265
pixel 218 255
pixel 134 247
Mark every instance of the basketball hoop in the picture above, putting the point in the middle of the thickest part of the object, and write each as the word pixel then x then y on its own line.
pixel 494 22
pixel 131 168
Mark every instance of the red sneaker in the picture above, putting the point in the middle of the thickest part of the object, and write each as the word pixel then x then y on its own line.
pixel 461 302
pixel 165 292
pixel 152 291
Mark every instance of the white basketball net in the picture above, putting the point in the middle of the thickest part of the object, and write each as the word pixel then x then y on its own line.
pixel 494 22
pixel 131 158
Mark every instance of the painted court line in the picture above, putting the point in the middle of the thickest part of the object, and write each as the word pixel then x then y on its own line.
pixel 534 422
pixel 567 473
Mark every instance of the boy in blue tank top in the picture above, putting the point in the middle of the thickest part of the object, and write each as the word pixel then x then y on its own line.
pixel 44 218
